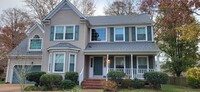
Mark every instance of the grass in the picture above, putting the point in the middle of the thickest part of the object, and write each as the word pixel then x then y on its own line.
pixel 2 82
pixel 165 88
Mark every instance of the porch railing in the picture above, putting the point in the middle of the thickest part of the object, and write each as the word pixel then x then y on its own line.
pixel 132 72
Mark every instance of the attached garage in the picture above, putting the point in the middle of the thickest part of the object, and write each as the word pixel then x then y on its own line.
pixel 18 70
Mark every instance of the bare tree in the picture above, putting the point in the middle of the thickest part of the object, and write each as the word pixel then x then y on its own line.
pixel 14 23
pixel 87 7
pixel 41 7
pixel 120 7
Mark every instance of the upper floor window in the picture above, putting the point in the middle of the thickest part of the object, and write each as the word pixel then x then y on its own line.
pixel 98 34
pixel 35 43
pixel 141 34
pixel 119 34
pixel 64 32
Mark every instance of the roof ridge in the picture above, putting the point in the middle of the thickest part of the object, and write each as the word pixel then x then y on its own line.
pixel 117 15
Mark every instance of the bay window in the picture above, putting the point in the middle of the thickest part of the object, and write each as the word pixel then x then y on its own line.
pixel 59 62
pixel 72 62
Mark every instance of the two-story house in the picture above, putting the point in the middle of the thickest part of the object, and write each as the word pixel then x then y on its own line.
pixel 68 41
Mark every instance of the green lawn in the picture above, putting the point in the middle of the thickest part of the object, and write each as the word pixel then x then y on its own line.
pixel 165 88
pixel 2 82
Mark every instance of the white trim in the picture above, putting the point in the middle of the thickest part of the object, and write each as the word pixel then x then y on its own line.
pixel 115 62
pixel 107 66
pixel 29 43
pixel 75 58
pixel 98 28
pixel 123 34
pixel 63 61
pixel 145 33
pixel 49 63
pixel 91 68
pixel 132 66
pixel 64 32
pixel 152 33
pixel 147 57
pixel 34 27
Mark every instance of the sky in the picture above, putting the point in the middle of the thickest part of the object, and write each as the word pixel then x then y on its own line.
pixel 100 4
pixel 4 4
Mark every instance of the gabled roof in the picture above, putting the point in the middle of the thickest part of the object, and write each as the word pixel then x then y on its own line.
pixel 137 19
pixel 64 46
pixel 62 4
pixel 34 27
pixel 137 47
pixel 21 50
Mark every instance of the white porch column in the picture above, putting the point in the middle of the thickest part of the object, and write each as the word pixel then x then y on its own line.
pixel 158 62
pixel 107 66
pixel 131 66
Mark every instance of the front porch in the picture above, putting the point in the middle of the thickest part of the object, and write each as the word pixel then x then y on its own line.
pixel 134 66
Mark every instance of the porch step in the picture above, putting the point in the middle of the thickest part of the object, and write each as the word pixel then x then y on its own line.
pixel 92 83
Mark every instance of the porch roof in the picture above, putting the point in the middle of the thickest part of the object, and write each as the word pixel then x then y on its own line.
pixel 133 47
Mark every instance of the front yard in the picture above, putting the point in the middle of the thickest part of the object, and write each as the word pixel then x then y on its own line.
pixel 165 88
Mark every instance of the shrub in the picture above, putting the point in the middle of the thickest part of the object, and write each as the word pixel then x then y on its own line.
pixel 67 84
pixel 110 86
pixel 116 75
pixel 31 88
pixel 194 77
pixel 50 80
pixel 34 76
pixel 73 76
pixel 156 78
pixel 137 84
pixel 126 83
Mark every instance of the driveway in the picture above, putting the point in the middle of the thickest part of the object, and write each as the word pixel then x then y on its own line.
pixel 16 88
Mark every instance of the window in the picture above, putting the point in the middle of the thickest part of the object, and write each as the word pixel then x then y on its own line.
pixel 64 32
pixel 98 34
pixel 141 34
pixel 72 62
pixel 59 33
pixel 35 43
pixel 119 34
pixel 69 32
pixel 120 63
pixel 59 62
pixel 142 64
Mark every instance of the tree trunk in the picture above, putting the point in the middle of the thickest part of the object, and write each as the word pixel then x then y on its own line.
pixel 178 74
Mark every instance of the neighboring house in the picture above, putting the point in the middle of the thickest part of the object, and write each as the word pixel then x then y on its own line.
pixel 68 41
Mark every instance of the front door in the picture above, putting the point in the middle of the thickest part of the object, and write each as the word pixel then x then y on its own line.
pixel 98 66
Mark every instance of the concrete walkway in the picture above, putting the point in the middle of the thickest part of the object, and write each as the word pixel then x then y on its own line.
pixel 16 88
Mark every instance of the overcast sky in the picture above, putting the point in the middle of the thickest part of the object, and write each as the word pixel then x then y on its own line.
pixel 4 4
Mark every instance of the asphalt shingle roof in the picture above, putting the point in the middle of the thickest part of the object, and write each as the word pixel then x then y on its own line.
pixel 22 50
pixel 136 19
pixel 122 47
pixel 64 45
